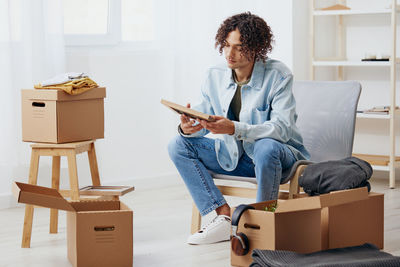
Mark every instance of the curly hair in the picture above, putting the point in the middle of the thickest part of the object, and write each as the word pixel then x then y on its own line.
pixel 256 36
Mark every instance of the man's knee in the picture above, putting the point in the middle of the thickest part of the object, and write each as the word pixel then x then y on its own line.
pixel 266 148
pixel 176 146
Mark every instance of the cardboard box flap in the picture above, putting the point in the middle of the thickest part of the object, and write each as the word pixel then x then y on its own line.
pixel 326 200
pixel 336 198
pixel 40 196
pixel 59 95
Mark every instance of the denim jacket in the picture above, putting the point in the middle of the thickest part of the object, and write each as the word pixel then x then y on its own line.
pixel 268 110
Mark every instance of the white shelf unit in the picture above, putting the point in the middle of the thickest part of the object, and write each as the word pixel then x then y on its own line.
pixel 353 12
pixel 340 61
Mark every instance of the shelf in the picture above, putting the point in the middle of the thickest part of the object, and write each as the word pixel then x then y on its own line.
pixel 380 168
pixel 377 116
pixel 352 12
pixel 376 160
pixel 353 63
pixel 373 116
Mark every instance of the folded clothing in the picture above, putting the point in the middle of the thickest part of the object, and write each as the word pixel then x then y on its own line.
pixel 63 78
pixel 365 255
pixel 73 86
pixel 333 175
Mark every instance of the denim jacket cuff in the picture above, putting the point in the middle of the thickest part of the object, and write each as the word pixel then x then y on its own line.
pixel 240 130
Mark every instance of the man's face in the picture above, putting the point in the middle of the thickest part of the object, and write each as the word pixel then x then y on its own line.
pixel 232 51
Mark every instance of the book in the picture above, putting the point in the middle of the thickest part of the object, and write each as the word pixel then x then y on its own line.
pixel 379 110
pixel 194 114
pixel 375 59
pixel 102 190
pixel 375 112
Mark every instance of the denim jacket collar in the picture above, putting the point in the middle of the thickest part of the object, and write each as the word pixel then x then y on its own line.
pixel 256 80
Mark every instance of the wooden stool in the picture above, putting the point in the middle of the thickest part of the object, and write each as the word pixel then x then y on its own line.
pixel 56 151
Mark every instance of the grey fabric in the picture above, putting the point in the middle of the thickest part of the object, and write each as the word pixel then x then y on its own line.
pixel 332 175
pixel 326 117
pixel 326 120
pixel 365 256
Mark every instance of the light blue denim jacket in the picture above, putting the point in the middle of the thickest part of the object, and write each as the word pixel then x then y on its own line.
pixel 268 110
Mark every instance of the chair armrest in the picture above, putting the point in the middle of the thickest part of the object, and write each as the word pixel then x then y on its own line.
pixel 294 187
pixel 289 174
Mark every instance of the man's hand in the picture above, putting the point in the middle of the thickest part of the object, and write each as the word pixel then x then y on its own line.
pixel 221 125
pixel 187 124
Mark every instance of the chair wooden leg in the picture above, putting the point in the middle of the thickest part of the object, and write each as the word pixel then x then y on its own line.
pixel 94 170
pixel 55 183
pixel 196 220
pixel 33 173
pixel 294 187
pixel 73 175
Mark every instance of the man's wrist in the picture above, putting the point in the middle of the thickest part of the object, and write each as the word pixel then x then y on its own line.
pixel 180 131
pixel 233 128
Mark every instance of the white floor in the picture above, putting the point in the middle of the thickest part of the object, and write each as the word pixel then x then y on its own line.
pixel 162 213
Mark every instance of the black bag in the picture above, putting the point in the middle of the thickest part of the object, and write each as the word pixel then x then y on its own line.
pixel 327 176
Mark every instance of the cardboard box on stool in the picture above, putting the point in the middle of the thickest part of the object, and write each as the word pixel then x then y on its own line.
pixel 99 232
pixel 309 224
pixel 53 116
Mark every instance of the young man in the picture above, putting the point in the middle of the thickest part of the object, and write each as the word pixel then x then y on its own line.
pixel 251 99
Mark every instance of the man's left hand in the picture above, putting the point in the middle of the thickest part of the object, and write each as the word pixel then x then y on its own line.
pixel 221 125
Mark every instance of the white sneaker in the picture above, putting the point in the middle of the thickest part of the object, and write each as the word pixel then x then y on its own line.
pixel 218 230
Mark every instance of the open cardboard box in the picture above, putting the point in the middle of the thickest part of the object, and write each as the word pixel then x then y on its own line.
pixel 99 232
pixel 309 224
pixel 53 116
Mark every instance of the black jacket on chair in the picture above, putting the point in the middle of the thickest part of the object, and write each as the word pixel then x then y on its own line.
pixel 333 175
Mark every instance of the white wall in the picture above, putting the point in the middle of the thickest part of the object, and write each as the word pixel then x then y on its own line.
pixel 138 127
pixel 300 40
pixel 196 25
pixel 31 49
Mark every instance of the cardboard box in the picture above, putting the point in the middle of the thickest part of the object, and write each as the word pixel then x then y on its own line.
pixel 53 116
pixel 357 223
pixel 310 224
pixel 99 233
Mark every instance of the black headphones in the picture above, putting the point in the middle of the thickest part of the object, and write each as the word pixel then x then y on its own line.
pixel 239 241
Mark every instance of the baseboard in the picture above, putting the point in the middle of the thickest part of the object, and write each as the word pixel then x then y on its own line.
pixel 169 177
pixel 7 200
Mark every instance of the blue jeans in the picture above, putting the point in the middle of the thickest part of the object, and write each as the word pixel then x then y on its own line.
pixel 195 157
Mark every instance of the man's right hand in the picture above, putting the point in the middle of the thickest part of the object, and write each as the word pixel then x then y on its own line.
pixel 187 124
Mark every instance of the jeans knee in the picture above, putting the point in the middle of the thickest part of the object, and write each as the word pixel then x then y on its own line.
pixel 266 149
pixel 175 147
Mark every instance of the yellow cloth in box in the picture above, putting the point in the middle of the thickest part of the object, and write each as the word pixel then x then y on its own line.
pixel 74 87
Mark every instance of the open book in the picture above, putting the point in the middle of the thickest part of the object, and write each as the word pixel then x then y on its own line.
pixel 187 111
